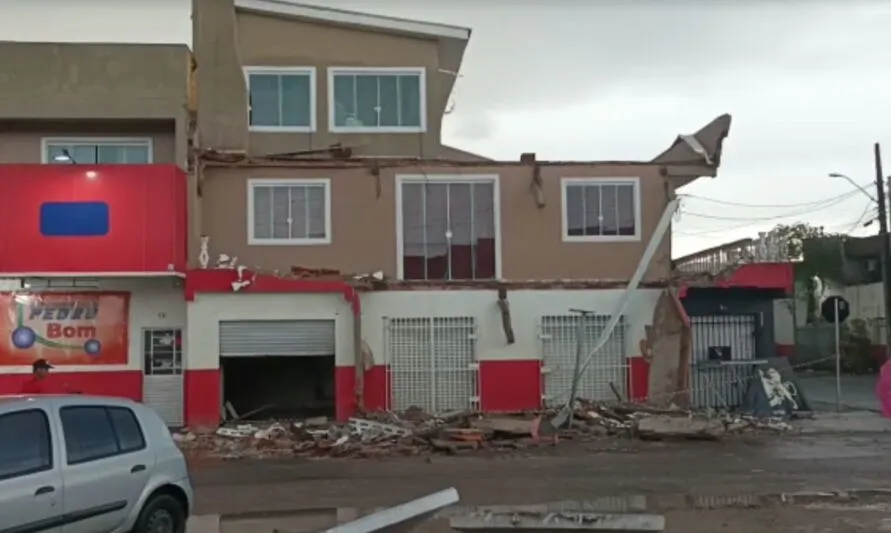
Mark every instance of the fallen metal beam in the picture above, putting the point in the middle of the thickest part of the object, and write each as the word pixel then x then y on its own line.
pixel 400 518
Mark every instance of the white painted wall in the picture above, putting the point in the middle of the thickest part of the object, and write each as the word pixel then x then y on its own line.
pixel 867 302
pixel 527 307
pixel 154 303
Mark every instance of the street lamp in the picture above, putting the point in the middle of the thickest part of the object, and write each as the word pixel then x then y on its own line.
pixel 854 183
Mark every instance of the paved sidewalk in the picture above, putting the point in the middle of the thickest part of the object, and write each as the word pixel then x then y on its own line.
pixel 857 392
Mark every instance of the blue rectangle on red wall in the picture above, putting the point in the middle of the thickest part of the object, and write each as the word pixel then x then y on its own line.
pixel 74 219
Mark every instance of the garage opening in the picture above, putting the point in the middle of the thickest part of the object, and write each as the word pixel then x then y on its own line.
pixel 278 369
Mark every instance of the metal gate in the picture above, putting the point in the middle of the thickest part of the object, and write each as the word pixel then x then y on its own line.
pixel 559 335
pixel 432 363
pixel 162 379
pixel 723 360
pixel 248 338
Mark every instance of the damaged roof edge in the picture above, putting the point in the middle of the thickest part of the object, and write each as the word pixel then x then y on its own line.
pixel 354 18
pixel 704 146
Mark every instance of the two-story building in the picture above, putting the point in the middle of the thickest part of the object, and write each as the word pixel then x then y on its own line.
pixel 93 143
pixel 366 265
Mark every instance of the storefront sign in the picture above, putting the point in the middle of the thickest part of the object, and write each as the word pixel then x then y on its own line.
pixel 64 328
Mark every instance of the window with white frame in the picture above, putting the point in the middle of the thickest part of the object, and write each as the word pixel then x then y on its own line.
pixel 98 151
pixel 382 100
pixel 448 228
pixel 281 99
pixel 289 212
pixel 601 209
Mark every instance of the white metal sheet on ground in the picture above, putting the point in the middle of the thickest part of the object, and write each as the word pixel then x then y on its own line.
pixel 246 338
pixel 400 518
pixel 164 394
pixel 559 334
pixel 432 363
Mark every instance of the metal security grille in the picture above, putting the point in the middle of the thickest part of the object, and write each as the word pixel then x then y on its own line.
pixel 277 338
pixel 163 387
pixel 723 360
pixel 432 363
pixel 559 334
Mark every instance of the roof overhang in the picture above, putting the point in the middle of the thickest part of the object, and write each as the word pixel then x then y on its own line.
pixel 355 19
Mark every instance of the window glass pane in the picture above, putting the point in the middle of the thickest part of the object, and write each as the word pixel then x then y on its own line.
pixel 136 154
pixel 610 225
pixel 299 212
pixel 625 206
pixel 575 210
pixel 25 444
pixel 84 154
pixel 88 433
pixel 262 212
pixel 484 230
pixel 55 150
pixel 366 100
pixel 281 216
pixel 389 100
pixel 316 204
pixel 296 100
pixel 410 100
pixel 436 225
pixel 264 94
pixel 127 429
pixel 414 248
pixel 109 154
pixel 345 101
pixel 461 224
pixel 592 210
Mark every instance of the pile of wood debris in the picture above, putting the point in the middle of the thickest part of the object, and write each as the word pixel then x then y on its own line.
pixel 415 432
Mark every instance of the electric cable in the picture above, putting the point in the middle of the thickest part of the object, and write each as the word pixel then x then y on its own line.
pixel 777 206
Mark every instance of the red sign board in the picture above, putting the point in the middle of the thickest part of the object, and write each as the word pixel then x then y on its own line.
pixel 64 328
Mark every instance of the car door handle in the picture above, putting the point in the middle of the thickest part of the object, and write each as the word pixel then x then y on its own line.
pixel 44 490
pixel 137 468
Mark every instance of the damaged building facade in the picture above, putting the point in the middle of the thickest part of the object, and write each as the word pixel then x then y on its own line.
pixel 339 257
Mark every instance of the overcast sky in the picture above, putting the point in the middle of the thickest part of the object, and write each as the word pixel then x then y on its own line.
pixel 807 82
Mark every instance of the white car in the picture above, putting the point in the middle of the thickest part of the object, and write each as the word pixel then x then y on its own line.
pixel 85 464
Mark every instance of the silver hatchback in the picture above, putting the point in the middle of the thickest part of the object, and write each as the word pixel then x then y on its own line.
pixel 84 464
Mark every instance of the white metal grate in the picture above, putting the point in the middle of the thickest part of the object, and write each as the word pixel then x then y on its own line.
pixel 559 335
pixel 432 363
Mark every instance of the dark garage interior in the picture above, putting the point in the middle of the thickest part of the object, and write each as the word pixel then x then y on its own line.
pixel 279 387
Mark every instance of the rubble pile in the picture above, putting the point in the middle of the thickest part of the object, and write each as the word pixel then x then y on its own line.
pixel 415 432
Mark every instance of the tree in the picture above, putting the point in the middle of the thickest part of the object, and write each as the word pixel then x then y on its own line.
pixel 797 234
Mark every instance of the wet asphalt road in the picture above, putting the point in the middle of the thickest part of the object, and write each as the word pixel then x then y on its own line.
pixel 570 471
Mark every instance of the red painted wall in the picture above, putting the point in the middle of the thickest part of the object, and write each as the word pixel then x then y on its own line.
pixel 147 218
pixel 122 384
pixel 510 385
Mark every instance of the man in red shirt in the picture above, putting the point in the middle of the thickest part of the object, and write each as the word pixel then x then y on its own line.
pixel 38 383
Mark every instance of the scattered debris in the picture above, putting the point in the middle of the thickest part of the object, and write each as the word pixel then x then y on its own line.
pixel 415 432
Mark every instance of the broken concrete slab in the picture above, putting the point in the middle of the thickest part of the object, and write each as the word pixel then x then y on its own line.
pixel 558 522
pixel 675 427
pixel 507 426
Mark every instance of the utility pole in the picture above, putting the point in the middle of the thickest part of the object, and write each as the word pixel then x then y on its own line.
pixel 886 245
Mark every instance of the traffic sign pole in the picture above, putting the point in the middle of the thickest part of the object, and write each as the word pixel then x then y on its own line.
pixel 837 358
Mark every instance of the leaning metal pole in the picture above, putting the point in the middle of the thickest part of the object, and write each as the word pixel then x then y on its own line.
pixel 642 267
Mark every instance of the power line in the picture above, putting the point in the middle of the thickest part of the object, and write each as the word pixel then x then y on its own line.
pixel 769 206
pixel 813 208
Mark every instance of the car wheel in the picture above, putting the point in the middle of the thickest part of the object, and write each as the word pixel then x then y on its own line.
pixel 162 514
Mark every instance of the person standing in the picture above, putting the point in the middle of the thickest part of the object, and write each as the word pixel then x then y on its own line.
pixel 38 384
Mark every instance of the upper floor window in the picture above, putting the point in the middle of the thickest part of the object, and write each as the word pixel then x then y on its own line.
pixel 289 211
pixel 281 99
pixel 97 151
pixel 448 228
pixel 601 209
pixel 377 100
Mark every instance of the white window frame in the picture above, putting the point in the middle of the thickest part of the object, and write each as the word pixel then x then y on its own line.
pixel 283 71
pixel 45 143
pixel 422 87
pixel 287 182
pixel 565 183
pixel 448 178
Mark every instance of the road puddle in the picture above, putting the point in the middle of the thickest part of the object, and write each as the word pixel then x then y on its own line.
pixel 301 521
